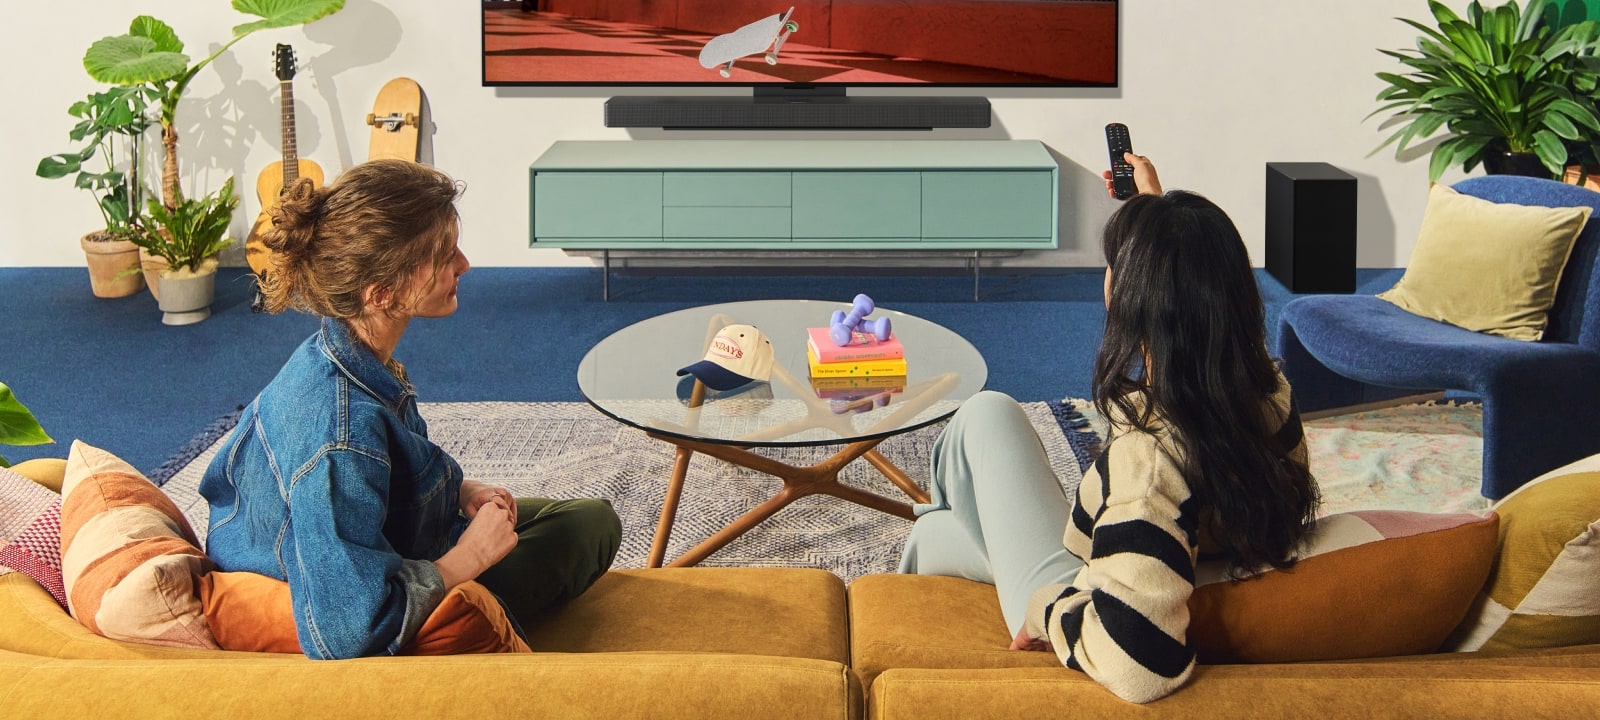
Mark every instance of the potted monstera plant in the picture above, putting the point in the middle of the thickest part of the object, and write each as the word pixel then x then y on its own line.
pixel 111 124
pixel 188 238
pixel 17 424
pixel 1510 91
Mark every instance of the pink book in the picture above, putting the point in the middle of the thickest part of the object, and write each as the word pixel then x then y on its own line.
pixel 863 346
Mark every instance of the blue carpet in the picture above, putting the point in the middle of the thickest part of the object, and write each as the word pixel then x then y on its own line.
pixel 109 373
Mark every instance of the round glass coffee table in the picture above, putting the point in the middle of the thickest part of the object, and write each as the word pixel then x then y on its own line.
pixel 631 376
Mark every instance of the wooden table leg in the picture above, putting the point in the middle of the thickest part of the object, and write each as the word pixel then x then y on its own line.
pixel 669 507
pixel 752 517
pixel 798 482
pixel 896 476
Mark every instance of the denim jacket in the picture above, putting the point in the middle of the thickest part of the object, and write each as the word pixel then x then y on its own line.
pixel 330 483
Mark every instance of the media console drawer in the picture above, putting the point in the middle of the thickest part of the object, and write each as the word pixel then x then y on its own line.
pixel 794 194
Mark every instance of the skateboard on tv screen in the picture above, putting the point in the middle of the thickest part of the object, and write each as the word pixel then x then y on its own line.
pixel 765 35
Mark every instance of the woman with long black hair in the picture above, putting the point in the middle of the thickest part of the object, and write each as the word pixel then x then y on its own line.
pixel 1205 459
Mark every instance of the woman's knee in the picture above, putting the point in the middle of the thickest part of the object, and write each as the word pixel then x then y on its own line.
pixel 989 410
pixel 598 519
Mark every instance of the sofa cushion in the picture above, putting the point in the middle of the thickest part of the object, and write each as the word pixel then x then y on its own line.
pixel 930 621
pixel 254 612
pixel 129 557
pixel 1544 590
pixel 1487 267
pixel 30 532
pixel 1371 583
pixel 791 612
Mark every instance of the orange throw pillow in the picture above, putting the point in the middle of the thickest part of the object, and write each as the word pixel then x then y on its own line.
pixel 253 612
pixel 1372 583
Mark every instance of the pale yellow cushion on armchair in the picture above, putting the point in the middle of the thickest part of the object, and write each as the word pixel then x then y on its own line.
pixel 1487 267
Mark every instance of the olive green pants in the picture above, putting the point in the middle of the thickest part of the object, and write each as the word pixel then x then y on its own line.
pixel 563 547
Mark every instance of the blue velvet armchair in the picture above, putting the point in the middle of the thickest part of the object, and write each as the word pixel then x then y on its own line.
pixel 1541 400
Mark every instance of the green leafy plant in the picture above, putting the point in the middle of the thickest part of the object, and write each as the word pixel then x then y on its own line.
pixel 191 232
pixel 110 126
pixel 17 424
pixel 151 55
pixel 1498 80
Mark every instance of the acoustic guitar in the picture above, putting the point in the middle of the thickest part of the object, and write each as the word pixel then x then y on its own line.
pixel 280 174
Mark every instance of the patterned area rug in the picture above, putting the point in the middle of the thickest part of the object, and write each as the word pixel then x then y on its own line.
pixel 1415 457
pixel 1426 457
pixel 568 450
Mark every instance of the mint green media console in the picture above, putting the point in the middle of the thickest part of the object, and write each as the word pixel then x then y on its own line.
pixel 957 195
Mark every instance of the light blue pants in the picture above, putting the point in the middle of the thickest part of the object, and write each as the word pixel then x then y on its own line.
pixel 997 512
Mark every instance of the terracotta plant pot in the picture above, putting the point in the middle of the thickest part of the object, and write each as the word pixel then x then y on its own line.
pixel 1590 176
pixel 153 266
pixel 107 259
pixel 186 296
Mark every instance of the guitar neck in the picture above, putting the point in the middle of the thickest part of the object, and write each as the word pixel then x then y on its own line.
pixel 291 158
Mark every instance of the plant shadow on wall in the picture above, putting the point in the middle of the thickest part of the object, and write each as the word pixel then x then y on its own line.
pixel 151 56
pixel 1513 90
pixel 364 33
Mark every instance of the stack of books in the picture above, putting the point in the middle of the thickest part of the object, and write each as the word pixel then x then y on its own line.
pixel 865 356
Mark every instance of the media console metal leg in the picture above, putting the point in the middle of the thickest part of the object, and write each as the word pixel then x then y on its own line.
pixel 605 276
pixel 976 259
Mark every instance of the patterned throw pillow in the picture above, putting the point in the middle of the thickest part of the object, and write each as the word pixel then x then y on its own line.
pixel 30 532
pixel 129 557
pixel 1545 588
pixel 1371 583
pixel 254 612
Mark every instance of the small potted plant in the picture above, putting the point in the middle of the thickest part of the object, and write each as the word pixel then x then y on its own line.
pixel 17 425
pixel 188 238
pixel 1510 91
pixel 110 126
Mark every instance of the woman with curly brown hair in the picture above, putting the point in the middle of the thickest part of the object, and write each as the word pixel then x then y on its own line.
pixel 330 483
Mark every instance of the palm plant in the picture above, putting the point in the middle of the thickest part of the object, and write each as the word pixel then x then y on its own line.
pixel 150 54
pixel 1497 81
pixel 192 232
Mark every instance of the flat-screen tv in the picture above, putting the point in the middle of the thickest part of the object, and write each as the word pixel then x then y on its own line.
pixel 855 43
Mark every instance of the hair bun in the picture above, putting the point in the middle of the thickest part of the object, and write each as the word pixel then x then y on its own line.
pixel 294 218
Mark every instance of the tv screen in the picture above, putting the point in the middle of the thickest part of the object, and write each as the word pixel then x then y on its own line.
pixel 991 43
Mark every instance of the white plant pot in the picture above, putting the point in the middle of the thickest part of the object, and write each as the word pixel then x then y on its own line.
pixel 186 296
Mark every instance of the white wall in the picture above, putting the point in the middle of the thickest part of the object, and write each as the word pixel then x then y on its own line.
pixel 1210 90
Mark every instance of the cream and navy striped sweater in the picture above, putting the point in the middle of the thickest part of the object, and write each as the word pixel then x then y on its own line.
pixel 1124 619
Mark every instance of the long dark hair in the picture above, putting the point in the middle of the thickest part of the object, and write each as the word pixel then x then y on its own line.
pixel 1184 300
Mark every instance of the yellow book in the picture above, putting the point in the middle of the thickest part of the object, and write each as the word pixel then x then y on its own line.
pixel 854 367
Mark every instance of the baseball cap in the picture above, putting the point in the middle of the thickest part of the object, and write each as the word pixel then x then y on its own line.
pixel 738 354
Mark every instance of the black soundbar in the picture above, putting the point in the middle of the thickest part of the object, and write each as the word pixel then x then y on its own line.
pixel 805 112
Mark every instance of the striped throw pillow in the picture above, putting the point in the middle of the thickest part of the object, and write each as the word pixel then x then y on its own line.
pixel 1374 583
pixel 129 557
pixel 1545 588
pixel 30 532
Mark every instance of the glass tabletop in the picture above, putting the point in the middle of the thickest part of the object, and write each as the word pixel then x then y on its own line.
pixel 631 376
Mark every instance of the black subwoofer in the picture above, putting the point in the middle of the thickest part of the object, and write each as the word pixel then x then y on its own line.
pixel 1311 227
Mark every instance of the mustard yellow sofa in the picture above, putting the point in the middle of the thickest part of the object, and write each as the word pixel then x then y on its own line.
pixel 743 643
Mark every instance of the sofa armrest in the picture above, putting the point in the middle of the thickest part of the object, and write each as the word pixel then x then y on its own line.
pixel 1372 690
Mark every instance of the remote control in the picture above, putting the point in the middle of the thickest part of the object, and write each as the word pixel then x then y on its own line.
pixel 1122 185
